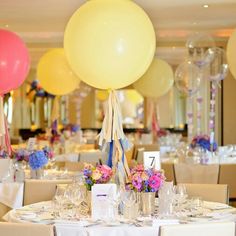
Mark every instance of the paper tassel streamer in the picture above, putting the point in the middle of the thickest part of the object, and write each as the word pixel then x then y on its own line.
pixel 155 121
pixel 55 109
pixel 5 142
pixel 112 137
pixel 7 138
pixel 2 122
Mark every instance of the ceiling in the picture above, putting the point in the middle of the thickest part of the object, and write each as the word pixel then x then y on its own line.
pixel 41 23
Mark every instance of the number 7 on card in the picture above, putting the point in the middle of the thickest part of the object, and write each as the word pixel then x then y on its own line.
pixel 152 160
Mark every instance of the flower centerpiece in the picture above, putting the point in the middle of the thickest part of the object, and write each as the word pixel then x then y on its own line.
pixel 203 141
pixel 146 182
pixel 202 144
pixel 100 174
pixel 36 159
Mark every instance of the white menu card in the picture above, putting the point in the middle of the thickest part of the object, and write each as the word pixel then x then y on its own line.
pixel 101 201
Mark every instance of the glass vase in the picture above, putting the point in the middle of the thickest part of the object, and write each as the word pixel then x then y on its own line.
pixel 147 203
pixel 37 174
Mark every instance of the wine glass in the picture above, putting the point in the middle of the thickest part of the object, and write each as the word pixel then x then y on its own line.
pixel 180 194
pixel 128 198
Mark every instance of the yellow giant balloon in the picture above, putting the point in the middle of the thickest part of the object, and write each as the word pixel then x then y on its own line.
pixel 134 96
pixel 231 53
pixel 109 44
pixel 54 73
pixel 157 81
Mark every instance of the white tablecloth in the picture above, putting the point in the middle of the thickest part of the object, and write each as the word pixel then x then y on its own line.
pixel 74 230
pixel 11 194
pixel 218 211
pixel 72 157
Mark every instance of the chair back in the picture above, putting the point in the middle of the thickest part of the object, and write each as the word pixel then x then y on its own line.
pixel 209 192
pixel 228 176
pixel 41 190
pixel 168 171
pixel 16 229
pixel 3 210
pixel 196 173
pixel 74 166
pixel 203 229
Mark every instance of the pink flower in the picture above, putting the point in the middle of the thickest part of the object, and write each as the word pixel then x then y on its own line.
pixel 155 182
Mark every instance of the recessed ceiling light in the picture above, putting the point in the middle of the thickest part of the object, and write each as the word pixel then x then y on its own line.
pixel 6 26
pixel 205 6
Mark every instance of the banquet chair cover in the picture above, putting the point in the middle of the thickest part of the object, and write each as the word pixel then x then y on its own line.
pixel 41 190
pixel 228 176
pixel 15 229
pixel 203 229
pixel 74 166
pixel 4 168
pixel 209 192
pixel 147 147
pixel 3 210
pixel 93 157
pixel 60 164
pixel 196 173
pixel 139 157
pixel 168 171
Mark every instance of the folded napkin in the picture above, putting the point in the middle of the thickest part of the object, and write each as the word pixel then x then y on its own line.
pixel 11 194
pixel 215 205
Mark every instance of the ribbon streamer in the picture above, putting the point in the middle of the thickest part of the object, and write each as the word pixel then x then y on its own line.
pixel 2 122
pixel 5 142
pixel 112 136
pixel 55 109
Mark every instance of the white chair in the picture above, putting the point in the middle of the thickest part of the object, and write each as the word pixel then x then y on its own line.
pixel 4 167
pixel 203 229
pixel 18 229
pixel 92 157
pixel 209 192
pixel 197 174
pixel 41 190
pixel 228 176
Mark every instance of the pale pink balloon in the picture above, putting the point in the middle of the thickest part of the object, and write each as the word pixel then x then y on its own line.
pixel 14 61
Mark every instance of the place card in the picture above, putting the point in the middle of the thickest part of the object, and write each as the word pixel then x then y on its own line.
pixel 31 143
pixel 152 160
pixel 101 201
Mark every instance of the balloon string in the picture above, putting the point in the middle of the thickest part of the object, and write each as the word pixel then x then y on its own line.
pixel 7 138
pixel 190 119
pixel 212 114
pixel 2 122
pixel 55 109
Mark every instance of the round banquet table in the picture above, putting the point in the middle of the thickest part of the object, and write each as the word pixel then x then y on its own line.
pixel 42 213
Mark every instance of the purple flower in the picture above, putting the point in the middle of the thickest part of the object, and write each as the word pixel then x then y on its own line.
pixel 203 141
pixel 37 160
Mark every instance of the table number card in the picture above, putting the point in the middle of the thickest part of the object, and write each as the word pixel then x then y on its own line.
pixel 31 143
pixel 152 160
pixel 101 201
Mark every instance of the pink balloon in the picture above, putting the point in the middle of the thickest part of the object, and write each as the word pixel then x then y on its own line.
pixel 14 61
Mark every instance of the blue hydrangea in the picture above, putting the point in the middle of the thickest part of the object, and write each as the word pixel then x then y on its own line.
pixel 37 160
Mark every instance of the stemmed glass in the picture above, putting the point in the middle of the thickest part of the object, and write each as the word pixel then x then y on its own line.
pixel 180 194
pixel 128 198
pixel 58 201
